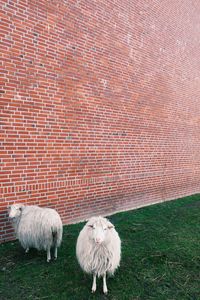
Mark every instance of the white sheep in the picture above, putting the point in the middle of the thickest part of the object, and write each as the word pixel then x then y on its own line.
pixel 98 249
pixel 37 227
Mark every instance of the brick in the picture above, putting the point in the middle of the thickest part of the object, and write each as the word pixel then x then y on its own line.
pixel 98 114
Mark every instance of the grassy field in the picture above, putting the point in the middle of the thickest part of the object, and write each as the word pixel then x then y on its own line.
pixel 160 260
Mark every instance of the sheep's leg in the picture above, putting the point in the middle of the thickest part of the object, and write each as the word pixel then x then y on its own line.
pixel 27 250
pixel 55 253
pixel 48 254
pixel 105 290
pixel 94 285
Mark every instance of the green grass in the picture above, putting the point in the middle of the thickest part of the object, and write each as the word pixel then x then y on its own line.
pixel 160 260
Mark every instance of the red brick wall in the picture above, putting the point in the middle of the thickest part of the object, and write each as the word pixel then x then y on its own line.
pixel 99 108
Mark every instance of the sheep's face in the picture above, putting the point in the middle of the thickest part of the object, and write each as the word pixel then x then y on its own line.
pixel 15 211
pixel 99 228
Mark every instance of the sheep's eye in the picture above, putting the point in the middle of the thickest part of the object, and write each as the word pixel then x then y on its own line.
pixel 105 228
pixel 91 226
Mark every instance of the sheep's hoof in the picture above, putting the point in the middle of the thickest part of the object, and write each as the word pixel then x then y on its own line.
pixel 93 291
pixel 105 291
pixel 48 260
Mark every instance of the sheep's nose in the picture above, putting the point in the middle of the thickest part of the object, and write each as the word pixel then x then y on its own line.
pixel 98 241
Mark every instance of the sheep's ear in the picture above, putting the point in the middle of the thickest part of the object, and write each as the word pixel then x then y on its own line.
pixel 110 226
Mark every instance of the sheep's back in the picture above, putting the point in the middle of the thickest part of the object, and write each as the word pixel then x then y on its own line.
pixel 36 227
